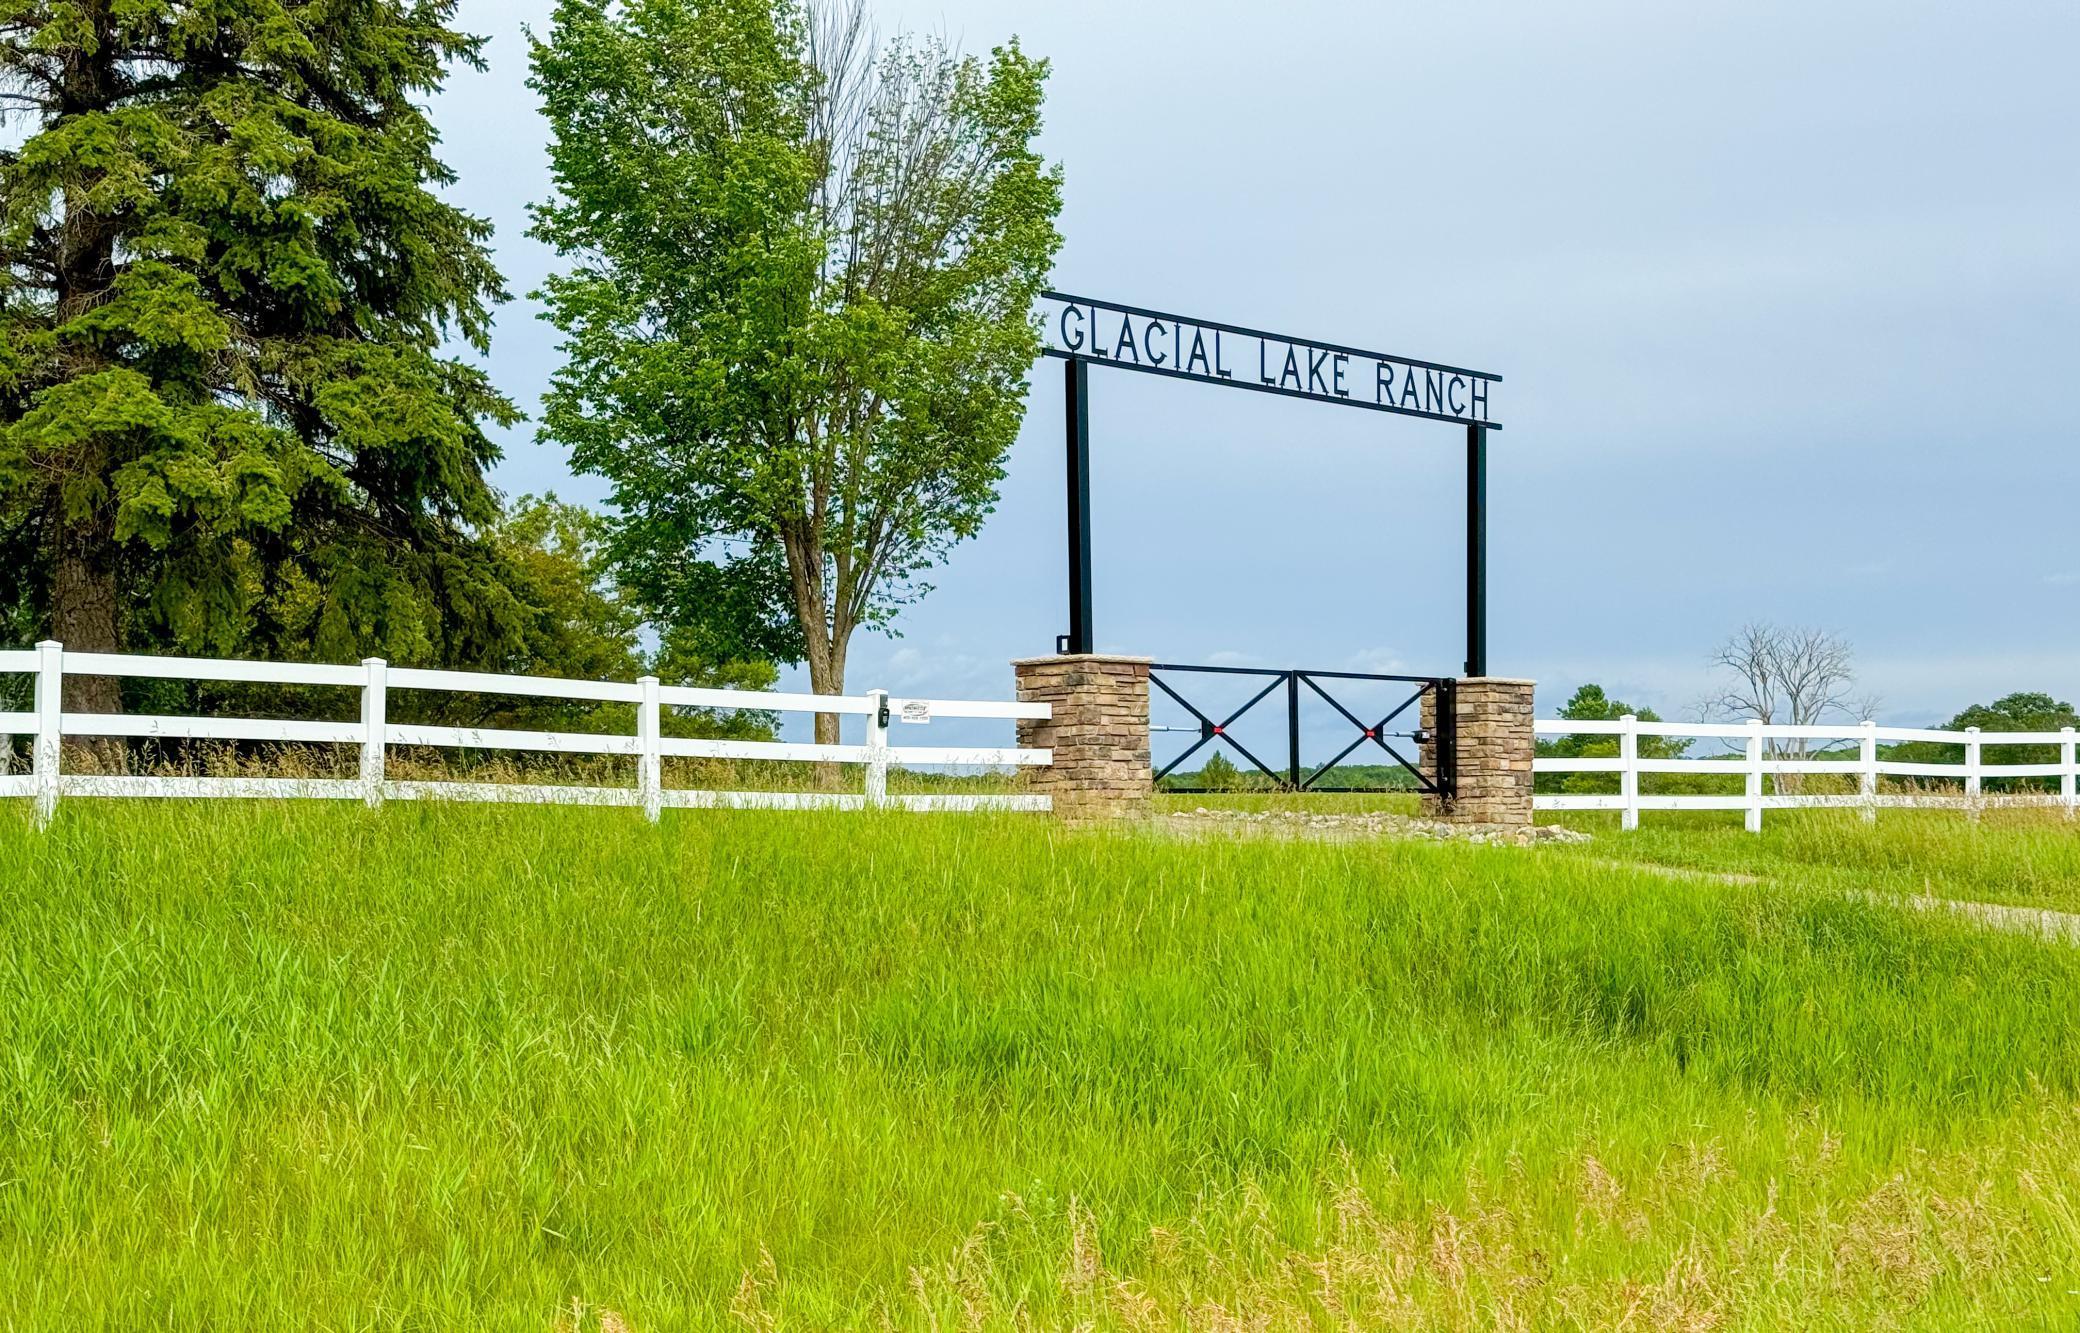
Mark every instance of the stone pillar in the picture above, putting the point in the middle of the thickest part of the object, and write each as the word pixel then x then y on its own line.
pixel 1099 732
pixel 1494 746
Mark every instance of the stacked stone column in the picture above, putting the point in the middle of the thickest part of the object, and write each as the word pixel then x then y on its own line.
pixel 1493 742
pixel 1099 732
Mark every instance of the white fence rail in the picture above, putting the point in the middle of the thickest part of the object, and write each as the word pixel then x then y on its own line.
pixel 48 724
pixel 1759 759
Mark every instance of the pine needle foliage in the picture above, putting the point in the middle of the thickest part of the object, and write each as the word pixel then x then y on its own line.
pixel 226 279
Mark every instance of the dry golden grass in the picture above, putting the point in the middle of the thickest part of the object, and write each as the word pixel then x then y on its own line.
pixel 1688 1245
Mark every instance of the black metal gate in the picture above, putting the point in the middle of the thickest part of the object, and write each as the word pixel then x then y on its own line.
pixel 1173 679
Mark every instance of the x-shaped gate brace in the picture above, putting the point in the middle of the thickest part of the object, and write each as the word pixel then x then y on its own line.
pixel 1294 778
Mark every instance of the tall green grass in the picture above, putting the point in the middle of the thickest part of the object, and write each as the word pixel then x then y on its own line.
pixel 447 1068
pixel 2005 856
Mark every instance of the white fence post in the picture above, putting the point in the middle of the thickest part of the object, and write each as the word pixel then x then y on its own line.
pixel 877 748
pixel 1868 787
pixel 1628 775
pixel 375 729
pixel 649 733
pixel 1972 771
pixel 50 720
pixel 1754 819
pixel 2066 793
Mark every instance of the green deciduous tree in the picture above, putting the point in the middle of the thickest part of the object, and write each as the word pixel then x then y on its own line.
pixel 590 626
pixel 587 628
pixel 1219 773
pixel 1591 704
pixel 798 318
pixel 225 276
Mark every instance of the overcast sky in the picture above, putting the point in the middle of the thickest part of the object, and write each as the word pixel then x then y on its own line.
pixel 1786 298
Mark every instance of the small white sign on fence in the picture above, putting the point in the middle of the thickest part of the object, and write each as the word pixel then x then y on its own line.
pixel 916 711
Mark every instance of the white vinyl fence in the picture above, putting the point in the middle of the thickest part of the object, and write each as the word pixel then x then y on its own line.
pixel 1770 760
pixel 48 724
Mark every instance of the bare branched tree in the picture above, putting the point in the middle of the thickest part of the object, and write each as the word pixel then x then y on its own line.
pixel 1778 674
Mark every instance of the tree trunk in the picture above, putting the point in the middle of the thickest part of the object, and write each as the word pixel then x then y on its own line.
pixel 827 676
pixel 823 651
pixel 83 618
pixel 83 577
pixel 84 591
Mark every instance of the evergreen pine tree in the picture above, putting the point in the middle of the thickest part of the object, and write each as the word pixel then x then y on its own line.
pixel 225 278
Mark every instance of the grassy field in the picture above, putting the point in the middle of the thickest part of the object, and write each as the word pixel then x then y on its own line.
pixel 2029 857
pixel 546 1069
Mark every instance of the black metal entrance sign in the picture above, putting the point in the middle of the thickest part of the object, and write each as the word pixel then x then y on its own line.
pixel 1134 338
pixel 1085 333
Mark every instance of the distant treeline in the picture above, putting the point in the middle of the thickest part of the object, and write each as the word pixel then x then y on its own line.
pixel 1221 774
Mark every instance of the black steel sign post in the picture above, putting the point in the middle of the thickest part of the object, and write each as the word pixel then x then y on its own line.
pixel 1083 333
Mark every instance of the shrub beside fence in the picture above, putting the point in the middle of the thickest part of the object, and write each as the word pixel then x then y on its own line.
pixel 1771 775
pixel 49 726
